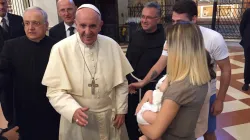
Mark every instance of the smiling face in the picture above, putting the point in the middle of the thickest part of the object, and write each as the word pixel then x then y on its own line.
pixel 34 25
pixel 66 10
pixel 3 7
pixel 88 25
pixel 149 19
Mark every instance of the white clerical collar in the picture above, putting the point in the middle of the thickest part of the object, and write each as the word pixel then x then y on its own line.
pixel 67 26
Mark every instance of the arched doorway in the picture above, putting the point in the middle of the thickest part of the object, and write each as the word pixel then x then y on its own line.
pixel 109 11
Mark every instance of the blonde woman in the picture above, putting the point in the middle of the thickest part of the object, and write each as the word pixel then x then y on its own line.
pixel 188 77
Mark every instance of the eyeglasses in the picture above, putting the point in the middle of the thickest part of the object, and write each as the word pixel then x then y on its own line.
pixel 148 17
pixel 33 23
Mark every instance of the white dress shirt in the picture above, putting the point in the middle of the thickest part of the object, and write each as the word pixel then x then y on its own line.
pixel 6 18
pixel 67 27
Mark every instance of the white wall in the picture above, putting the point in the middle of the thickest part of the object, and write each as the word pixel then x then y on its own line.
pixel 122 8
pixel 50 7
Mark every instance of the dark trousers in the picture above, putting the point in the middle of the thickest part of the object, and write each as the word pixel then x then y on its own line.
pixel 130 120
pixel 6 99
pixel 247 65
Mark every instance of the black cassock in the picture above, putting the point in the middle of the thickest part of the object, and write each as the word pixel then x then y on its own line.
pixel 24 62
pixel 245 42
pixel 143 52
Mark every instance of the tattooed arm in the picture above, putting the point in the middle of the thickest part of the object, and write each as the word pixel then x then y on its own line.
pixel 152 74
pixel 156 69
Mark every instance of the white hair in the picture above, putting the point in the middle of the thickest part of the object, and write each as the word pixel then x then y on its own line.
pixel 44 14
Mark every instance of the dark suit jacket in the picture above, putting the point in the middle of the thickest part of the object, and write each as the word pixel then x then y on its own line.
pixel 3 34
pixel 245 29
pixel 16 28
pixel 58 32
pixel 6 94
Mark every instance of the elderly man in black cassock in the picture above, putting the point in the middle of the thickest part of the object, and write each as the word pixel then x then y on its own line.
pixel 23 60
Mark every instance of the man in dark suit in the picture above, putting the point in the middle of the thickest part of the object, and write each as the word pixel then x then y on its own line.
pixel 66 10
pixel 12 24
pixel 245 42
pixel 11 27
pixel 3 36
pixel 15 26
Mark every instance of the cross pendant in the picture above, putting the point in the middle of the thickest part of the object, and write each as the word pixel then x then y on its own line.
pixel 93 85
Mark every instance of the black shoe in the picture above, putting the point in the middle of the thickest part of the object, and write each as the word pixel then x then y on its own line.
pixel 245 87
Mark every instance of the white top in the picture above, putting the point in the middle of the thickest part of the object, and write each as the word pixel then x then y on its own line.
pixel 67 29
pixel 68 86
pixel 217 48
pixel 6 18
pixel 157 94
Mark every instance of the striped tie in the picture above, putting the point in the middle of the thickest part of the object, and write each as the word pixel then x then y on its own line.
pixel 71 30
pixel 4 25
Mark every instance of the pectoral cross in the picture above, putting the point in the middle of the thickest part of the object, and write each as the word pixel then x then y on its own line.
pixel 93 85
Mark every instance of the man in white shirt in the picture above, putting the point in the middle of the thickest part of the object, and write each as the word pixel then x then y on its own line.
pixel 66 10
pixel 186 11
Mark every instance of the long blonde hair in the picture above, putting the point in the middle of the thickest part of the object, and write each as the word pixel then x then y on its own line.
pixel 186 54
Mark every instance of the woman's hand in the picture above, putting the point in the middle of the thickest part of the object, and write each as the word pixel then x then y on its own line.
pixel 138 108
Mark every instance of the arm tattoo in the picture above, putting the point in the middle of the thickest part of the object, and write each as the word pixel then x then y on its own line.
pixel 154 75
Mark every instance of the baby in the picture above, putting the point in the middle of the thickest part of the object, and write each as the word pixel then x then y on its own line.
pixel 152 109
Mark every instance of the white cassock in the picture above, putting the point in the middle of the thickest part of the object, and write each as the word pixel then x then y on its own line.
pixel 68 79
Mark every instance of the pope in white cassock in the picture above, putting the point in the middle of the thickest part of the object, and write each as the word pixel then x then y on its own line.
pixel 86 80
